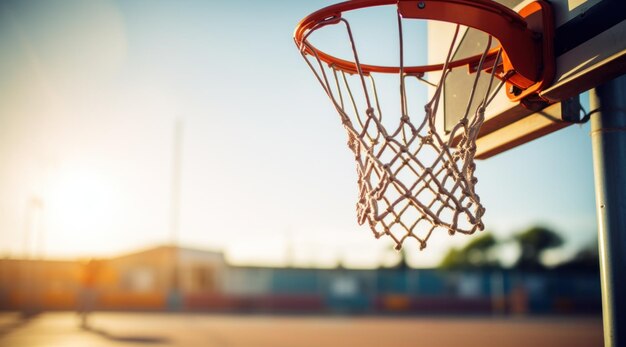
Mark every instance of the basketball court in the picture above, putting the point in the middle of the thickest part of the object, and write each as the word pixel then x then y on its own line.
pixel 145 329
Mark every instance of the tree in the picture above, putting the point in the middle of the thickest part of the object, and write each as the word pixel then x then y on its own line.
pixel 586 260
pixel 454 259
pixel 475 254
pixel 533 243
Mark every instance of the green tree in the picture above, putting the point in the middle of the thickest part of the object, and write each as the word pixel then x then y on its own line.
pixel 454 259
pixel 475 254
pixel 585 260
pixel 533 243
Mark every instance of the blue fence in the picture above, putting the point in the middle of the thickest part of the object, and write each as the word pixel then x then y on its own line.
pixel 415 291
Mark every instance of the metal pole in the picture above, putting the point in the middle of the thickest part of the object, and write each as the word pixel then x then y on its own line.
pixel 175 185
pixel 608 138
pixel 175 295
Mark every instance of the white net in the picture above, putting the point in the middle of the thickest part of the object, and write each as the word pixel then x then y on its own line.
pixel 412 180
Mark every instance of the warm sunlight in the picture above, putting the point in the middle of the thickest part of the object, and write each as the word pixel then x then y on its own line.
pixel 92 93
pixel 306 173
pixel 77 201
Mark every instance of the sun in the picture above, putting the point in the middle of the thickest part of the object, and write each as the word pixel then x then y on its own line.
pixel 78 207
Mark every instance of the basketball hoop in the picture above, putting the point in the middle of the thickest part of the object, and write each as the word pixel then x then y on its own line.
pixel 412 179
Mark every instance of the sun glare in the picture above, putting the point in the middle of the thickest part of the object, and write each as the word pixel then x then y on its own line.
pixel 77 204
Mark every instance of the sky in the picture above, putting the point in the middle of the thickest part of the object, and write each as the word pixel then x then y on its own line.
pixel 91 92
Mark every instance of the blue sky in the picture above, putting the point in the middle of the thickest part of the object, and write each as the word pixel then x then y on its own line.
pixel 91 92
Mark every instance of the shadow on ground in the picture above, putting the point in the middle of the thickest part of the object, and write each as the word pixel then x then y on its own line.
pixel 126 338
pixel 21 320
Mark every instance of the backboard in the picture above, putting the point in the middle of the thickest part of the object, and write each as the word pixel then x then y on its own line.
pixel 589 47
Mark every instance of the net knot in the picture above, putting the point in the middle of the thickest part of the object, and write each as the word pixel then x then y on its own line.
pixel 426 140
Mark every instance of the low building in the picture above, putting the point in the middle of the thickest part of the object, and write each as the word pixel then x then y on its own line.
pixel 140 280
pixel 175 278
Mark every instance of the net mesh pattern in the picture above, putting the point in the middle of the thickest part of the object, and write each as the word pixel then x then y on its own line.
pixel 412 181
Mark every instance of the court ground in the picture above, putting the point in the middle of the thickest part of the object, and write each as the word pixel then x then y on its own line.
pixel 147 329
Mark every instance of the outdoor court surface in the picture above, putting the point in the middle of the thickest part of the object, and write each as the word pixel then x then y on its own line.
pixel 146 329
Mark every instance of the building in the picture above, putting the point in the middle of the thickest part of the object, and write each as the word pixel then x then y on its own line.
pixel 173 278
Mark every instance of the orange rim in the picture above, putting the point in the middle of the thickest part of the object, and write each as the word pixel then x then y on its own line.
pixel 521 51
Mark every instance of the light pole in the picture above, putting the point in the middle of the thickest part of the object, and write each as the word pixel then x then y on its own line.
pixel 174 299
pixel 30 304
